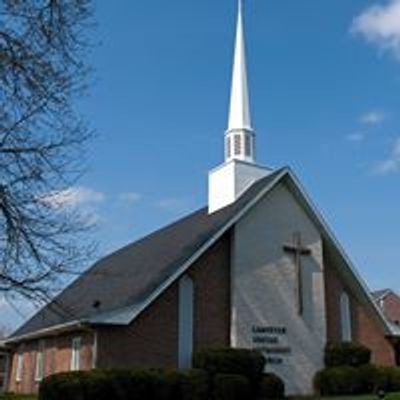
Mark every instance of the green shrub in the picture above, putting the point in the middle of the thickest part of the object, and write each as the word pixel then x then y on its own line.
pixel 271 387
pixel 362 380
pixel 126 385
pixel 337 381
pixel 346 354
pixel 188 385
pixel 62 387
pixel 231 387
pixel 369 377
pixel 389 379
pixel 248 363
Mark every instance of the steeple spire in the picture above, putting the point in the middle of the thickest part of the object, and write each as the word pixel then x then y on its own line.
pixel 229 181
pixel 239 138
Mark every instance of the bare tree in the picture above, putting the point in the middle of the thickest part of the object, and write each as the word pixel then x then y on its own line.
pixel 42 141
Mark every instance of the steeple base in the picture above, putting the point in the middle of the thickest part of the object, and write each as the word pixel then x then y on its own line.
pixel 227 182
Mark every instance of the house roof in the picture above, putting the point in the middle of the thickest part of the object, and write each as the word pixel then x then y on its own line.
pixel 124 283
pixel 127 277
pixel 380 294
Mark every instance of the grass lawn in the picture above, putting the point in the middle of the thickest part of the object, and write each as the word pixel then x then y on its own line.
pixel 393 396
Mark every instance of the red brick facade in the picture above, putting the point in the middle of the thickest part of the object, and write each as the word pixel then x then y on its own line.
pixel 390 305
pixel 56 358
pixel 365 327
pixel 152 340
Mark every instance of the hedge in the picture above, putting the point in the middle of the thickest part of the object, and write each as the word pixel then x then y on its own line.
pixel 248 363
pixel 271 387
pixel 126 384
pixel 231 387
pixel 221 374
pixel 389 379
pixel 362 380
pixel 336 381
pixel 188 384
pixel 346 354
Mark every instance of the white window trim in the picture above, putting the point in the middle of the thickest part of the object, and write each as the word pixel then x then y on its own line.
pixel 345 317
pixel 39 364
pixel 76 353
pixel 20 366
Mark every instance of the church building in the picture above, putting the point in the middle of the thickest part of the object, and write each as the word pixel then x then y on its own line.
pixel 257 267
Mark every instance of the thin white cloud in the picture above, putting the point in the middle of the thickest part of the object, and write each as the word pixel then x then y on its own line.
pixel 373 118
pixel 81 199
pixel 74 197
pixel 380 25
pixel 356 137
pixel 173 204
pixel 130 197
pixel 392 163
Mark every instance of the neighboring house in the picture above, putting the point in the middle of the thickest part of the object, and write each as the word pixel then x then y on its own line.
pixel 257 267
pixel 389 302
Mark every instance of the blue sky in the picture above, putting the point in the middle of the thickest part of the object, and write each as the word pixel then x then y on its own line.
pixel 324 87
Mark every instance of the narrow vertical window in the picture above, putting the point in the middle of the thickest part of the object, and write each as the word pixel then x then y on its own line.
pixel 228 147
pixel 20 366
pixel 75 354
pixel 185 335
pixel 247 145
pixel 345 314
pixel 237 145
pixel 39 361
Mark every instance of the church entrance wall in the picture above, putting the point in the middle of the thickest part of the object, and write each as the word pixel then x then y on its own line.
pixel 278 292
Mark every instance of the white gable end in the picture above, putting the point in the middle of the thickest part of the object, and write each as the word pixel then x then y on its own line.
pixel 265 289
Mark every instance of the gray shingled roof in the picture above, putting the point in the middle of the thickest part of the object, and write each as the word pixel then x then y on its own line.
pixel 377 294
pixel 128 276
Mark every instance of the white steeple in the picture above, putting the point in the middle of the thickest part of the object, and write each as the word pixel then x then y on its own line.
pixel 229 181
pixel 239 138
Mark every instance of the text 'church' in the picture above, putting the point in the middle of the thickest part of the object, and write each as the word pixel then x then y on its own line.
pixel 258 267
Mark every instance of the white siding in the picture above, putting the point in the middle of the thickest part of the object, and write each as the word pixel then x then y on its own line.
pixel 264 290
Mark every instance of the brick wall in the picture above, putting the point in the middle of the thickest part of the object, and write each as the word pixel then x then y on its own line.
pixel 212 308
pixel 365 327
pixel 56 358
pixel 152 339
pixel 391 307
